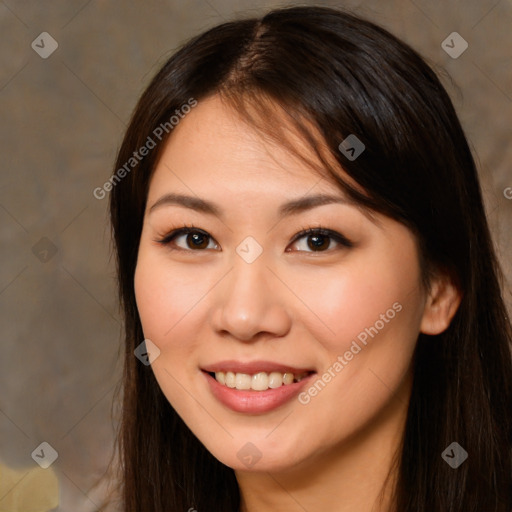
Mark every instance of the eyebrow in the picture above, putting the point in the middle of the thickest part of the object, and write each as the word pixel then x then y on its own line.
pixel 292 207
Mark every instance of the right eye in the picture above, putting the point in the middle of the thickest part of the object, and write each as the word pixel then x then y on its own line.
pixel 194 239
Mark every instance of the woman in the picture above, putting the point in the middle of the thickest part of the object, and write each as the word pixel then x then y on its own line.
pixel 308 281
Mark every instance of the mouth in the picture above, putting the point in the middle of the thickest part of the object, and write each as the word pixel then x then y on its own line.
pixel 256 387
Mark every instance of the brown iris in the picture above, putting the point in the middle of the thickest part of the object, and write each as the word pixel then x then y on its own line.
pixel 318 242
pixel 199 240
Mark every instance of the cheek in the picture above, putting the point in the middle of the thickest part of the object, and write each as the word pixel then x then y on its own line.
pixel 164 296
pixel 370 313
pixel 377 295
pixel 167 302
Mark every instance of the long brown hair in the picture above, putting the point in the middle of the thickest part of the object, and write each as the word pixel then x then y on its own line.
pixel 342 75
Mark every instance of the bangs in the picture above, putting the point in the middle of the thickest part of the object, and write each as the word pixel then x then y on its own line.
pixel 292 128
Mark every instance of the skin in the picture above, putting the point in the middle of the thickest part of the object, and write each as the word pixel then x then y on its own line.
pixel 291 305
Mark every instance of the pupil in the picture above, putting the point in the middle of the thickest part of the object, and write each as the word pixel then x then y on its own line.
pixel 318 241
pixel 198 240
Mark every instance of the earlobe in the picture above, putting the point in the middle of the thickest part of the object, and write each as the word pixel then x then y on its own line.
pixel 442 303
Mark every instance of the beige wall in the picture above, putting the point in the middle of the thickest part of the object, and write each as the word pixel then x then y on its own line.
pixel 62 119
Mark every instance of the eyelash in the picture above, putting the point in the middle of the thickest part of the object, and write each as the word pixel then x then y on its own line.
pixel 305 231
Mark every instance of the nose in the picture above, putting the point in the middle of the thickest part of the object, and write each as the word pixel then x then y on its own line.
pixel 250 302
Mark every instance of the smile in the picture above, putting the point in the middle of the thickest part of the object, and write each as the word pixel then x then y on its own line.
pixel 255 387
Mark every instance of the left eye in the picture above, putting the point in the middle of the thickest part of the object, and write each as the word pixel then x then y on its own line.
pixel 317 239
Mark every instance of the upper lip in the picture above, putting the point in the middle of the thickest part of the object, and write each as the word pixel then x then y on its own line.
pixel 252 367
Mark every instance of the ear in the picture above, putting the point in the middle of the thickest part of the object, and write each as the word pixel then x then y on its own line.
pixel 442 303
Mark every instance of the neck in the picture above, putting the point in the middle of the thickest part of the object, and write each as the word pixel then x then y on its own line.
pixel 351 476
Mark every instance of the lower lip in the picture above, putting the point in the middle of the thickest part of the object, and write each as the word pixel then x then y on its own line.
pixel 254 401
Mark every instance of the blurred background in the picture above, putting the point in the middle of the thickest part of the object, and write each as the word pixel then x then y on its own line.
pixel 70 74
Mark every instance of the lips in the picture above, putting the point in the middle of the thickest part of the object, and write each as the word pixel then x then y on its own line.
pixel 263 396
pixel 253 367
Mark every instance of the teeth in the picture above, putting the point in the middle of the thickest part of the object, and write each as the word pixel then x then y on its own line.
pixel 230 379
pixel 259 381
pixel 275 380
pixel 242 381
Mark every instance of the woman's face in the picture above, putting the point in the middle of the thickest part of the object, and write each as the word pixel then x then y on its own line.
pixel 243 296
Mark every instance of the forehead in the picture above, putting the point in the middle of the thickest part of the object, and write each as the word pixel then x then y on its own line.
pixel 213 148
